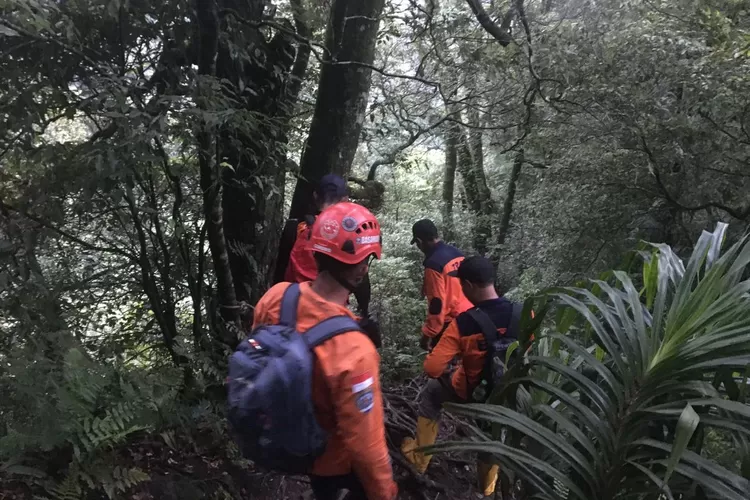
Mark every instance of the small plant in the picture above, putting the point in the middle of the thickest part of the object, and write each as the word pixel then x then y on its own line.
pixel 83 411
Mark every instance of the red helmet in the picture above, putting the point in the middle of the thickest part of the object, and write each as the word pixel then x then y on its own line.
pixel 346 232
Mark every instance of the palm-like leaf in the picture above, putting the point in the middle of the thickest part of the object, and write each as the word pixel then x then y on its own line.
pixel 618 424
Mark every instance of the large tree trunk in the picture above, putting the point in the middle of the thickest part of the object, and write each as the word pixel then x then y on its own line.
pixel 342 96
pixel 209 179
pixel 263 82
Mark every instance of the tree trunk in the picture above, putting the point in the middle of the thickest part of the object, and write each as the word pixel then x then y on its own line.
pixel 468 176
pixel 263 81
pixel 471 166
pixel 510 196
pixel 210 181
pixel 485 205
pixel 341 103
pixel 449 180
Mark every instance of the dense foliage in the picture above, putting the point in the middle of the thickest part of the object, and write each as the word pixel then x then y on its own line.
pixel 628 415
pixel 150 152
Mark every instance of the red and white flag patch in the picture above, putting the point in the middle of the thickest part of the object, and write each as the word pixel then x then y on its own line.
pixel 361 382
pixel 362 389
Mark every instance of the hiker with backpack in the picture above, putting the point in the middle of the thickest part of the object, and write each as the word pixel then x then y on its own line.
pixel 480 337
pixel 298 260
pixel 304 388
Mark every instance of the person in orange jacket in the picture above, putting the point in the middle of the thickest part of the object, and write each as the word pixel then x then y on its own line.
pixel 463 338
pixel 441 287
pixel 301 265
pixel 346 380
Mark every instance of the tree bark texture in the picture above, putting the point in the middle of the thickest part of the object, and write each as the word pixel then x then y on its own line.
pixel 468 176
pixel 343 90
pixel 486 206
pixel 449 180
pixel 262 83
pixel 510 195
pixel 210 182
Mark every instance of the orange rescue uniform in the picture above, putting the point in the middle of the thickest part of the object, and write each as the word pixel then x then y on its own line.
pixel 464 338
pixel 445 300
pixel 302 265
pixel 344 365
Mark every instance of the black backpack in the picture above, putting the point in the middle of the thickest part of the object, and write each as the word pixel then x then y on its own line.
pixel 497 346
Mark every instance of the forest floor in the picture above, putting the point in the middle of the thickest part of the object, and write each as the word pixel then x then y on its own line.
pixel 202 467
pixel 205 471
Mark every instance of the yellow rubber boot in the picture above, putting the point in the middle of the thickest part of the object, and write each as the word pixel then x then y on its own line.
pixel 487 475
pixel 426 434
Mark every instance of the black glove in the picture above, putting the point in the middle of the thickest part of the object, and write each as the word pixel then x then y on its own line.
pixel 372 329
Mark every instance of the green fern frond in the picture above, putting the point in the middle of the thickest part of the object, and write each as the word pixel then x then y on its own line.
pixel 70 487
pixel 94 433
pixel 121 479
pixel 169 439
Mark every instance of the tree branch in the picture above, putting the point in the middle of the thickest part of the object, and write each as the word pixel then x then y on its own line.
pixel 393 155
pixel 326 57
pixel 740 214
pixel 303 50
pixel 500 33
pixel 68 236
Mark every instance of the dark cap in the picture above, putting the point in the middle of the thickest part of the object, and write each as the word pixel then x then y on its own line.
pixel 332 188
pixel 477 269
pixel 425 230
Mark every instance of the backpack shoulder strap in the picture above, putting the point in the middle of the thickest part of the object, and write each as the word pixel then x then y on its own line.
pixel 514 329
pixel 489 330
pixel 329 328
pixel 289 302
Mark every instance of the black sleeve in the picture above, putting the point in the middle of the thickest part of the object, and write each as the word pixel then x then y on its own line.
pixel 362 294
pixel 288 237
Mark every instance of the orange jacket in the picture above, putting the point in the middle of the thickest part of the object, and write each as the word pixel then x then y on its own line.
pixel 445 300
pixel 346 394
pixel 464 338
pixel 302 265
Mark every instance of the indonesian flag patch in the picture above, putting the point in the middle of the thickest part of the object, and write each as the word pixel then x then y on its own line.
pixel 362 389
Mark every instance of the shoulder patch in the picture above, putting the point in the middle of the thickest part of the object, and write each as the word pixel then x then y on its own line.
pixel 362 389
pixel 365 401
